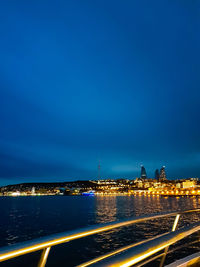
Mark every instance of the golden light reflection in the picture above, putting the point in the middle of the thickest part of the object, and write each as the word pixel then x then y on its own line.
pixel 106 209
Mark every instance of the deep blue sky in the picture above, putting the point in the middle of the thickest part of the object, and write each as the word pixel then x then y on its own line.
pixel 82 81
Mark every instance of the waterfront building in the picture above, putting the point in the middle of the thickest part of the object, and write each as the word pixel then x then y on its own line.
pixel 143 173
pixel 189 183
pixel 106 182
pixel 147 184
pixel 162 174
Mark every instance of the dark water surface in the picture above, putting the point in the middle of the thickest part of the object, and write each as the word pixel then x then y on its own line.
pixel 25 218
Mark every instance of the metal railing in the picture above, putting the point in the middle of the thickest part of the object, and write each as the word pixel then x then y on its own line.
pixel 126 256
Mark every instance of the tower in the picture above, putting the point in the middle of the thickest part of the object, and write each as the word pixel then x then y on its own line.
pixel 143 173
pixel 33 190
pixel 157 175
pixel 163 174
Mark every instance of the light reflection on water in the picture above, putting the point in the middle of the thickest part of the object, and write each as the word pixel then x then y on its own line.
pixel 111 208
pixel 25 218
pixel 106 209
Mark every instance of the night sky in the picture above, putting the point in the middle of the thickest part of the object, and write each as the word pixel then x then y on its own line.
pixel 83 81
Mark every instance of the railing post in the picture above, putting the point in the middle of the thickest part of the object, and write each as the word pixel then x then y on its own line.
pixel 44 256
pixel 166 249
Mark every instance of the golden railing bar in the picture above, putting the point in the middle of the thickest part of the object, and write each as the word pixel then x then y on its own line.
pixel 166 249
pixel 88 263
pixel 44 256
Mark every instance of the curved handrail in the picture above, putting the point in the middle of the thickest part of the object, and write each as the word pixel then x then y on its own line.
pixel 49 241
pixel 134 255
pixel 104 256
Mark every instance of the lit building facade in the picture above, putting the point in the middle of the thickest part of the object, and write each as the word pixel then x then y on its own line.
pixel 162 174
pixel 143 173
